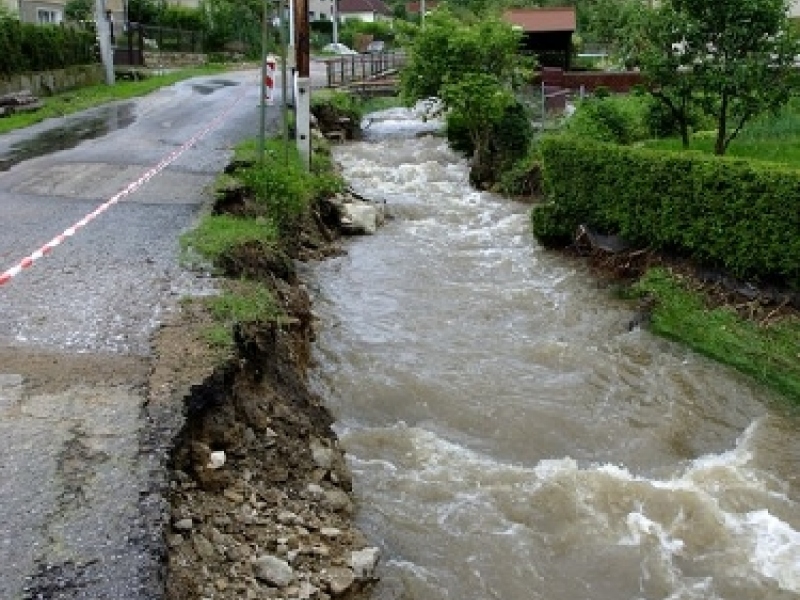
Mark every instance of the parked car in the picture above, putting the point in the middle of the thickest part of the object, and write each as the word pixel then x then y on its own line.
pixel 376 46
pixel 337 48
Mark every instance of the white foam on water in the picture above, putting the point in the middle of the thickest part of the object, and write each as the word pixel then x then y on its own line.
pixel 774 546
pixel 666 521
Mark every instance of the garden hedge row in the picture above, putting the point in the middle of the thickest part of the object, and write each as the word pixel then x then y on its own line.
pixel 739 215
pixel 26 47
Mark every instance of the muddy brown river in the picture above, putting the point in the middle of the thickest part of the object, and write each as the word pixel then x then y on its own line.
pixel 510 437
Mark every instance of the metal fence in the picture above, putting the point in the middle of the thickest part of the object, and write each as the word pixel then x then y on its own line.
pixel 135 39
pixel 343 70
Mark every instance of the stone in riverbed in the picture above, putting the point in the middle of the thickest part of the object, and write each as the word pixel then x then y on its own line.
pixel 359 218
pixel 340 579
pixel 183 525
pixel 363 562
pixel 339 501
pixel 273 570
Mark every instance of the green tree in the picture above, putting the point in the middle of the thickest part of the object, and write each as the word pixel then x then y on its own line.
pixel 609 21
pixel 470 65
pixel 144 11
pixel 6 14
pixel 447 49
pixel 233 21
pixel 478 101
pixel 734 57
pixel 665 64
pixel 79 10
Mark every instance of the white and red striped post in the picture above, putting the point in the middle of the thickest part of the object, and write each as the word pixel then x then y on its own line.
pixel 269 78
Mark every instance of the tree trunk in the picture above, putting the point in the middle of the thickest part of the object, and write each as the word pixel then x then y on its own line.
pixel 722 127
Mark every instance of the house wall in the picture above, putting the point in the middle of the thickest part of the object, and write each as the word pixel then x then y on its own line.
pixel 369 17
pixel 29 9
pixel 320 10
pixel 794 9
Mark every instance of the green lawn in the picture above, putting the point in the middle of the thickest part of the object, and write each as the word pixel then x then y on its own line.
pixel 76 100
pixel 773 138
pixel 770 353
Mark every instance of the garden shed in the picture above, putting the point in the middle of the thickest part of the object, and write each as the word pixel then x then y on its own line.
pixel 547 33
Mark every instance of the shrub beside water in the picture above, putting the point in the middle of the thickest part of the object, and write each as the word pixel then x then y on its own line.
pixel 741 216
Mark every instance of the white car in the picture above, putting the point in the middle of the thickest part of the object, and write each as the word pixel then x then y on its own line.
pixel 338 48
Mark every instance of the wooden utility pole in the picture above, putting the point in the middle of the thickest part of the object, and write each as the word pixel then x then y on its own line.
pixel 302 41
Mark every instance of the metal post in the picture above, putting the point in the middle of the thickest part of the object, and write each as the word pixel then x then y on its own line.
pixel 262 122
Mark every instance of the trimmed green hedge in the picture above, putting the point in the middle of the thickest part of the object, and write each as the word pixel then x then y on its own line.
pixel 26 47
pixel 738 215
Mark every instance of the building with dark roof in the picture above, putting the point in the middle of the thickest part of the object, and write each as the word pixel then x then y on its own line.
pixel 547 32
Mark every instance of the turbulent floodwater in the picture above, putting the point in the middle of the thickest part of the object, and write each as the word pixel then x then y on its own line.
pixel 510 437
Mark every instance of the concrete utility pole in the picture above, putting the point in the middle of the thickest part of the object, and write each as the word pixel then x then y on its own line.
pixel 335 21
pixel 303 96
pixel 104 39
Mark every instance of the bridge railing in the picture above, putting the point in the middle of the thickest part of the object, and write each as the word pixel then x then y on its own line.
pixel 343 70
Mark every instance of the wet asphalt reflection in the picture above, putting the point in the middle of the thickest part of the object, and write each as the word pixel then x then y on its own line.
pixel 75 130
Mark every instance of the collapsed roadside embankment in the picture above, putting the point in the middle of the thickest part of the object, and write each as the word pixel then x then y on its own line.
pixel 259 491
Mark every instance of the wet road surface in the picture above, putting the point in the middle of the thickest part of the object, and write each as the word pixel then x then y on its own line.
pixel 80 493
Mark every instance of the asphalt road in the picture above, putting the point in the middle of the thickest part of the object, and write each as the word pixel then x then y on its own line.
pixel 75 328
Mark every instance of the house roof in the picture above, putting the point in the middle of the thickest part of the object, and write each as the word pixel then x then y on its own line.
pixel 364 6
pixel 541 20
pixel 413 8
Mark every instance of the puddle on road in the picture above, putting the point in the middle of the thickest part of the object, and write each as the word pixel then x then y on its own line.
pixel 211 86
pixel 75 130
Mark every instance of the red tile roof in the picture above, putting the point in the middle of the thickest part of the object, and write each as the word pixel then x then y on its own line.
pixel 413 8
pixel 540 20
pixel 364 6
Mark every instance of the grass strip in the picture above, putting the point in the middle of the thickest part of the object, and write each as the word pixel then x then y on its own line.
pixel 769 353
pixel 216 235
pixel 65 103
pixel 242 301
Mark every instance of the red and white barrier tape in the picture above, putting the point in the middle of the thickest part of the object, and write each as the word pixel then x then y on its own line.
pixel 26 262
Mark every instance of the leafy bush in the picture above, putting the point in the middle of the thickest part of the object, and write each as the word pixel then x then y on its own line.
pixel 26 47
pixel 524 178
pixel 614 119
pixel 284 191
pixel 509 136
pixel 742 216
pixel 343 102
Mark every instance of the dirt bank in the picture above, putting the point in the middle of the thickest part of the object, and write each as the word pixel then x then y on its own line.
pixel 259 492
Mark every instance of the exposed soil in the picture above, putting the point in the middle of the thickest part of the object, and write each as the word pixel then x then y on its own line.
pixel 275 519
pixel 761 303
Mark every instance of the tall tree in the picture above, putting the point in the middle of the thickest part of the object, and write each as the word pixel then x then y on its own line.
pixel 78 10
pixel 733 57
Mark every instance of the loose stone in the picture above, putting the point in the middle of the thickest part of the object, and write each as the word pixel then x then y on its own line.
pixel 273 570
pixel 340 579
pixel 183 525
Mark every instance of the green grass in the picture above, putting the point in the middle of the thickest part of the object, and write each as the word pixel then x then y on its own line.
pixel 773 138
pixel 768 353
pixel 243 301
pixel 73 101
pixel 215 235
pixel 381 103
pixel 247 302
